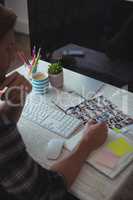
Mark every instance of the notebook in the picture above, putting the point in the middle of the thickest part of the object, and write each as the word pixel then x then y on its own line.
pixel 112 157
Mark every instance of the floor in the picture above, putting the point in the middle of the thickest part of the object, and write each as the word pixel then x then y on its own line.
pixel 23 44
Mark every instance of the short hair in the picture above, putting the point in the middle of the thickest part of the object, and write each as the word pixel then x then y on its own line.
pixel 7 20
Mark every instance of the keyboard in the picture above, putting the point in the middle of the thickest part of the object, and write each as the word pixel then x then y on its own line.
pixel 49 117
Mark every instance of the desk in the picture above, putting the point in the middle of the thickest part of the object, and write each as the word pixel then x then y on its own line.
pixel 90 184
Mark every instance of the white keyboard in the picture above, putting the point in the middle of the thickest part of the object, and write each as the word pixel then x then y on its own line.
pixel 49 117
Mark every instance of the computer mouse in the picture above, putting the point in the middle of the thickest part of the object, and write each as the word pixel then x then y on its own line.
pixel 54 148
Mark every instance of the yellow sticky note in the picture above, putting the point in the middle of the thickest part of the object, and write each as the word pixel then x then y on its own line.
pixel 117 130
pixel 120 147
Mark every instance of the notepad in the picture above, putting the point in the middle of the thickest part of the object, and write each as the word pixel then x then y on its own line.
pixel 120 147
pixel 106 158
pixel 112 157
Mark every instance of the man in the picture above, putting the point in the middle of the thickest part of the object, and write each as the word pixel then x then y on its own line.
pixel 20 176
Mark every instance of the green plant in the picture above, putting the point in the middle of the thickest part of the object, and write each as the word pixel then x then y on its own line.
pixel 55 68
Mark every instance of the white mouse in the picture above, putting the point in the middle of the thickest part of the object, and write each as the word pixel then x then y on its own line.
pixel 54 148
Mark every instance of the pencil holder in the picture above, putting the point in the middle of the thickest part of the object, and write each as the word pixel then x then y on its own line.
pixel 40 83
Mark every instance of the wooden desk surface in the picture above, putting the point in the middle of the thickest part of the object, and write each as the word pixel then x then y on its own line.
pixel 90 184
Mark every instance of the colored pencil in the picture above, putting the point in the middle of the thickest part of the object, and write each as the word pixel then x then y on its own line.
pixel 35 60
pixel 34 51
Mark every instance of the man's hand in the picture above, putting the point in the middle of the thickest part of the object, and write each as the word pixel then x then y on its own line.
pixel 95 134
pixel 18 87
pixel 14 97
pixel 8 113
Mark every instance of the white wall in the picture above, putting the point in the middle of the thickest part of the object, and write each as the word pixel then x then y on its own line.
pixel 20 8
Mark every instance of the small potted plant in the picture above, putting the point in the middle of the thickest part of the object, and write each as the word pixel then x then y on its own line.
pixel 55 72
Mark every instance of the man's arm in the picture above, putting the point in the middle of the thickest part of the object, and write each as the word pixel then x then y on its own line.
pixel 13 98
pixel 21 176
pixel 94 136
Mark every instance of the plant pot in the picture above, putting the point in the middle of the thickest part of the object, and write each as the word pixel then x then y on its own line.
pixel 56 80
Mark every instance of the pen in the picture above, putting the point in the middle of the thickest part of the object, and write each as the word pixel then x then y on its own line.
pixel 34 66
pixel 34 51
pixel 2 92
pixel 23 58
pixel 58 107
pixel 97 91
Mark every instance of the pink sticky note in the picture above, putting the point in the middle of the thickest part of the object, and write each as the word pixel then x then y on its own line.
pixel 106 158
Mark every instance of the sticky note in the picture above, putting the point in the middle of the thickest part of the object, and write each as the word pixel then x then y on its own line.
pixel 106 158
pixel 120 147
pixel 117 130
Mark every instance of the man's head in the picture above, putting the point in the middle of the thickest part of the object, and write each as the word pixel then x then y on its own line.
pixel 7 40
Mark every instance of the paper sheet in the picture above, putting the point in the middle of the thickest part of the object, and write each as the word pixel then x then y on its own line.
pixel 74 141
pixel 98 107
pixel 66 99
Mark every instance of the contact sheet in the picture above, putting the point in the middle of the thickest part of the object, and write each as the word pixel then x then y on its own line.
pixel 97 108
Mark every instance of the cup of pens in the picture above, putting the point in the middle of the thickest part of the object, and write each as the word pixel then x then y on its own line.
pixel 40 83
pixel 30 66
